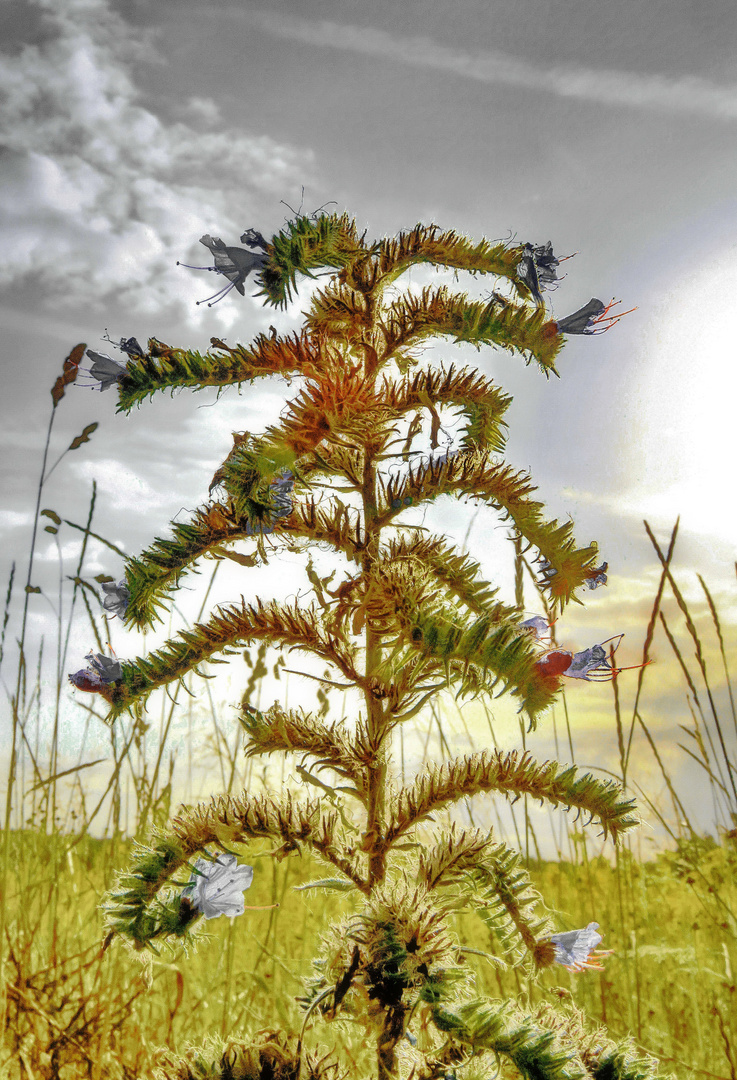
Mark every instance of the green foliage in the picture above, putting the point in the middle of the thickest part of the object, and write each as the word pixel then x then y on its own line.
pixel 307 244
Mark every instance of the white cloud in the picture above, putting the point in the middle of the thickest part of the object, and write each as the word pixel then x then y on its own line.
pixel 102 196
pixel 620 88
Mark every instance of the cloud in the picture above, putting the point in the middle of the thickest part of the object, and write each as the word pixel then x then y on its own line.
pixel 99 194
pixel 607 87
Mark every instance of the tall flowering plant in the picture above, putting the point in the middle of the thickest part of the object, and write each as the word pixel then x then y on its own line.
pixel 407 617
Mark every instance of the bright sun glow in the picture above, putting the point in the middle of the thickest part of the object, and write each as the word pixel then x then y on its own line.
pixel 683 408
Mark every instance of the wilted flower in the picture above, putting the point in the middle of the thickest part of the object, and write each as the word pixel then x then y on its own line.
pixel 554 663
pixel 105 369
pixel 253 238
pixel 538 626
pixel 573 948
pixel 282 487
pixel 547 570
pixel 596 576
pixel 101 671
pixel 234 263
pixel 592 318
pixel 217 888
pixel 117 597
pixel 129 346
pixel 537 269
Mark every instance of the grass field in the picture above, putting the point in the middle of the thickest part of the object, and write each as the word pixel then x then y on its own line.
pixel 69 1009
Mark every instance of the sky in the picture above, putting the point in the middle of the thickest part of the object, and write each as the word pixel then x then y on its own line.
pixel 129 129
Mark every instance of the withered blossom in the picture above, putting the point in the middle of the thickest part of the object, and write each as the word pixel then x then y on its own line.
pixel 597 576
pixel 117 597
pixel 537 269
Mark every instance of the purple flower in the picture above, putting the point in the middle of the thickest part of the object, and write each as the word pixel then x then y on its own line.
pixel 590 663
pixel 234 263
pixel 592 318
pixel 573 948
pixel 117 597
pixel 596 576
pixel 106 370
pixel 100 672
pixel 538 626
pixel 217 888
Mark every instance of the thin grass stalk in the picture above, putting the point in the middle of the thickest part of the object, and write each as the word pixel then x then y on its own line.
pixel 6 612
pixel 677 804
pixel 717 626
pixel 16 708
pixel 694 692
pixel 649 639
pixel 701 662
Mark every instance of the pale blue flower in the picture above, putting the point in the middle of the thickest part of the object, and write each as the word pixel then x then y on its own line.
pixel 574 948
pixel 105 369
pixel 234 263
pixel 218 887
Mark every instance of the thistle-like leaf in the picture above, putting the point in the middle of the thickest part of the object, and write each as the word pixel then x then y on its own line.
pixel 330 746
pixel 234 819
pixel 483 403
pixel 498 1026
pixel 512 775
pixel 478 475
pixel 459 574
pixel 518 328
pixel 158 570
pixel 228 628
pixel 165 368
pixel 428 244
pixel 455 853
pixel 503 895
